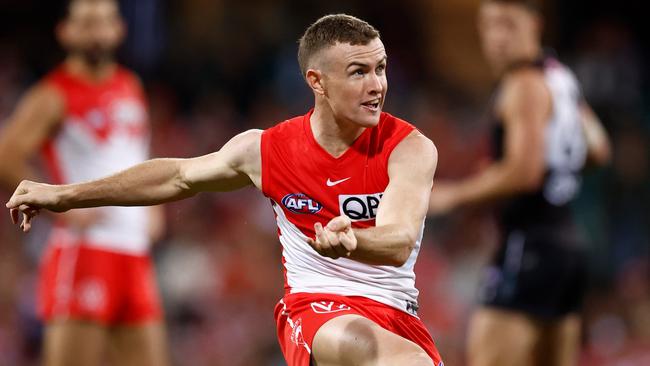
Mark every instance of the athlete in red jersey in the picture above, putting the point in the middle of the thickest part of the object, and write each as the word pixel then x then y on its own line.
pixel 349 186
pixel 88 118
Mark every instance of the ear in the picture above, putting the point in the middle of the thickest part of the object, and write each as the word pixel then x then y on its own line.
pixel 122 29
pixel 60 32
pixel 538 22
pixel 315 81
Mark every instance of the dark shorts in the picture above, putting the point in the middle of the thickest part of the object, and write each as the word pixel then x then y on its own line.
pixel 534 274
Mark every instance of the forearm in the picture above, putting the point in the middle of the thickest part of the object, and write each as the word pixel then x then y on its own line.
pixel 384 245
pixel 150 183
pixel 496 182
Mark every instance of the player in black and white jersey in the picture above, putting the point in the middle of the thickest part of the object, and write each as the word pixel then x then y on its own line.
pixel 544 134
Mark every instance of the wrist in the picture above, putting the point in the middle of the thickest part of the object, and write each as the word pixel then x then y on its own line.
pixel 63 196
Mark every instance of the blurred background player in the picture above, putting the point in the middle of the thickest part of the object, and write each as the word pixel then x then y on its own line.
pixel 543 135
pixel 97 291
pixel 350 296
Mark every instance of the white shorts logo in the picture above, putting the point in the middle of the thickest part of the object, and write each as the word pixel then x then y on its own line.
pixel 296 333
pixel 326 307
pixel 91 295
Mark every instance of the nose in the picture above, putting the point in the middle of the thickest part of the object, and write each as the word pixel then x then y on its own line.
pixel 375 84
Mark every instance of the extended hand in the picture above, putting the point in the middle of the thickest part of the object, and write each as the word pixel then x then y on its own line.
pixel 443 199
pixel 336 239
pixel 29 198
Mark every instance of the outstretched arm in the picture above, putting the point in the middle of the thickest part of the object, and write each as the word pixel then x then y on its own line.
pixel 400 214
pixel 156 181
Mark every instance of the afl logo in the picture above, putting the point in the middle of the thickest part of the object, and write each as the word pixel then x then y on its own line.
pixel 301 203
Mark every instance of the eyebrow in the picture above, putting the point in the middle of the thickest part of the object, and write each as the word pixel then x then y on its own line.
pixel 361 64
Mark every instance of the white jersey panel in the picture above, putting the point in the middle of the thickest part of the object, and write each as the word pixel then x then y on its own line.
pixel 566 148
pixel 309 272
pixel 80 157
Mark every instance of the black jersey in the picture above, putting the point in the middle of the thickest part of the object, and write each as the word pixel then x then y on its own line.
pixel 547 211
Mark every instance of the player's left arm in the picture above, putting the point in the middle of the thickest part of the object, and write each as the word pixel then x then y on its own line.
pixel 400 214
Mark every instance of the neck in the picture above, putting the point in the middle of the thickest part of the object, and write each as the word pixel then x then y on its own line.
pixel 527 57
pixel 334 135
pixel 77 66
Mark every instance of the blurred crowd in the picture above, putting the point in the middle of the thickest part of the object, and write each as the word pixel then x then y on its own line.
pixel 215 68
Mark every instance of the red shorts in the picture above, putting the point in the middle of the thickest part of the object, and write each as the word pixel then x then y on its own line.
pixel 109 288
pixel 299 316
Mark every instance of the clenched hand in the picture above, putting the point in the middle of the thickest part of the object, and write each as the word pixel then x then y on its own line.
pixel 29 198
pixel 336 239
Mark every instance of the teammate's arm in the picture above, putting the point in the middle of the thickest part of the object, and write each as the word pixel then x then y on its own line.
pixel 400 214
pixel 599 151
pixel 155 181
pixel 37 115
pixel 525 108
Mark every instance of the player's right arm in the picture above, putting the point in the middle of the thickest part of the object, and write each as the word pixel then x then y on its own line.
pixel 599 151
pixel 237 164
pixel 37 115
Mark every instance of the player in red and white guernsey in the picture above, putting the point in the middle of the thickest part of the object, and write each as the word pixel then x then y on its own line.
pixel 88 118
pixel 349 185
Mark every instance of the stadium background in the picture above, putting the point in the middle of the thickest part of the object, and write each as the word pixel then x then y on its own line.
pixel 213 68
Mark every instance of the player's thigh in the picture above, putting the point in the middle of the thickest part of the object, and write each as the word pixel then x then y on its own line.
pixel 139 345
pixel 561 342
pixel 355 340
pixel 501 338
pixel 73 342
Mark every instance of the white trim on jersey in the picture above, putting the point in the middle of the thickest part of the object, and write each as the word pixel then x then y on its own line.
pixel 309 272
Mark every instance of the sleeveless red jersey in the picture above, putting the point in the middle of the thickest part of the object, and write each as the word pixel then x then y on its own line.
pixel 307 185
pixel 104 130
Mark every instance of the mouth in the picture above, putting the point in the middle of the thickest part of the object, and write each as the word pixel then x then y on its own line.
pixel 372 105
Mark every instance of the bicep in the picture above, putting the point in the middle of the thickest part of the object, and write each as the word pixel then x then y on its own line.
pixel 411 167
pixel 526 109
pixel 234 166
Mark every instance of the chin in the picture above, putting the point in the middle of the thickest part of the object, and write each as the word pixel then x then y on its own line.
pixel 369 121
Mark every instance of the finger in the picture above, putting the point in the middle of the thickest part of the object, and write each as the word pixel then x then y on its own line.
pixel 335 243
pixel 339 223
pixel 314 244
pixel 341 250
pixel 321 235
pixel 332 237
pixel 348 241
pixel 14 215
pixel 318 228
pixel 26 224
pixel 330 252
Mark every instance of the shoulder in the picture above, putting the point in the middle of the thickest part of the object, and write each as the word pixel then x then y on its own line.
pixel 415 145
pixel 128 76
pixel 524 83
pixel 247 140
pixel 525 91
pixel 415 152
pixel 46 97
